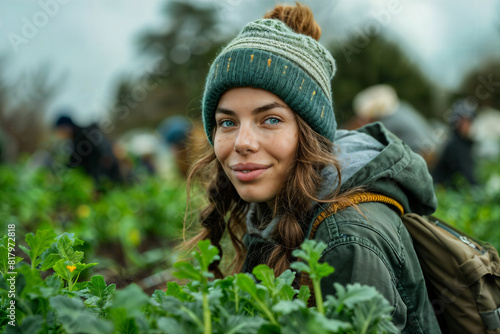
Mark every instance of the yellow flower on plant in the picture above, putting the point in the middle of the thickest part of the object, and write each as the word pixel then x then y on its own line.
pixel 71 268
pixel 83 211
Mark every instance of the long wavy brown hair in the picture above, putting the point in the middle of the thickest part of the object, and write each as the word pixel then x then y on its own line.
pixel 225 212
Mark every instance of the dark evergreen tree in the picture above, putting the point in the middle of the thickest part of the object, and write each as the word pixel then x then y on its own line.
pixel 363 63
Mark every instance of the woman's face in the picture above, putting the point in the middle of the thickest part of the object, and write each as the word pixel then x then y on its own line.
pixel 256 139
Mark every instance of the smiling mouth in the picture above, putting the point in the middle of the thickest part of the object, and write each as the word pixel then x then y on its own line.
pixel 249 175
pixel 248 172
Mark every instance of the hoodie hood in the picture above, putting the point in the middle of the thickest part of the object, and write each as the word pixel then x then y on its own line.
pixel 396 171
pixel 376 159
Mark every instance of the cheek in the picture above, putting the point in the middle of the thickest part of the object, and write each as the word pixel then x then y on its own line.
pixel 222 147
pixel 285 147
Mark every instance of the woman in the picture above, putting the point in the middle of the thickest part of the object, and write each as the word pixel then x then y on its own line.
pixel 276 161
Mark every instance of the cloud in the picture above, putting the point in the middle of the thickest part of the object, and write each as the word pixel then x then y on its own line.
pixel 92 42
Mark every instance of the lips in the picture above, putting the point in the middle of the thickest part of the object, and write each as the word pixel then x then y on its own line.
pixel 249 171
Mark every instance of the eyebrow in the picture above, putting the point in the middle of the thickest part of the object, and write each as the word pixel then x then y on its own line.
pixel 255 111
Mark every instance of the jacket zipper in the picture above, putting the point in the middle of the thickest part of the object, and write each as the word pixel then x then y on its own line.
pixel 462 238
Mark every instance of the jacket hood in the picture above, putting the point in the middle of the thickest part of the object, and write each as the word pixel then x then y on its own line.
pixel 376 159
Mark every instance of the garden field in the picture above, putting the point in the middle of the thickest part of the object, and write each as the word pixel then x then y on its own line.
pixel 75 262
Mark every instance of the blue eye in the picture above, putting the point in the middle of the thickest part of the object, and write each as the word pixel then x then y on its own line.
pixel 226 123
pixel 272 120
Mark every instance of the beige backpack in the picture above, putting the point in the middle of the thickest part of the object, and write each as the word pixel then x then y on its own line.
pixel 462 274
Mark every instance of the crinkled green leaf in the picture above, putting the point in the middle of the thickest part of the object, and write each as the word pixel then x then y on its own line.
pixel 4 256
pixel 52 286
pixel 311 251
pixel 75 318
pixel 50 261
pixel 289 306
pixel 301 267
pixel 97 286
pixel 323 270
pixel 53 282
pixel 186 270
pixel 227 284
pixel 127 326
pixel 27 280
pixel 60 267
pixel 333 325
pixel 262 292
pixel 304 293
pixel 159 296
pixel 245 283
pixel 286 292
pixel 238 324
pixel 173 289
pixel 286 277
pixel 372 315
pixel 110 289
pixel 353 294
pixel 207 254
pixel 65 248
pixel 301 253
pixel 81 267
pixel 71 236
pixel 80 286
pixel 38 243
pixel 265 274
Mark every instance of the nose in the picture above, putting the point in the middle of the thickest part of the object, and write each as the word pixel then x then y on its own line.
pixel 247 140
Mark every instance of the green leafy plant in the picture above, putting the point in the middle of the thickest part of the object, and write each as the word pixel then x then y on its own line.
pixel 474 209
pixel 311 252
pixel 200 274
pixel 50 299
pixel 131 229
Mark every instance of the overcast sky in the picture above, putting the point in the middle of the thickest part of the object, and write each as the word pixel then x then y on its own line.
pixel 91 44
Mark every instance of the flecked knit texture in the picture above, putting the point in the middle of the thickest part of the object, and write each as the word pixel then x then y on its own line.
pixel 268 54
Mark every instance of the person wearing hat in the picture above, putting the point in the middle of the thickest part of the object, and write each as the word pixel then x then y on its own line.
pixel 89 150
pixel 457 157
pixel 275 160
pixel 381 103
pixel 175 131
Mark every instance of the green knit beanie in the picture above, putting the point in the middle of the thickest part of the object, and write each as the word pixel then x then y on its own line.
pixel 268 54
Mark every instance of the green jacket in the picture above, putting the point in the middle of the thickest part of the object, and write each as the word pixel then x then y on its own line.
pixel 378 251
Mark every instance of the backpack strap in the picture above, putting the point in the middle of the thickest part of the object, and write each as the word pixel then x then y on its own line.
pixel 333 208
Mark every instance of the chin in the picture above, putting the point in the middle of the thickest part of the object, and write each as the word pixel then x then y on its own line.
pixel 254 198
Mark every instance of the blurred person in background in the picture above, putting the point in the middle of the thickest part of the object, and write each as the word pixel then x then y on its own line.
pixel 137 155
pixel 486 133
pixel 457 157
pixel 142 147
pixel 184 140
pixel 91 150
pixel 381 103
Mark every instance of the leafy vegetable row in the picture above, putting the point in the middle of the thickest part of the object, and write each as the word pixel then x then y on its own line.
pixel 50 299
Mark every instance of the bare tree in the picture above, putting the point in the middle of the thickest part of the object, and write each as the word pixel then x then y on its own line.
pixel 22 108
